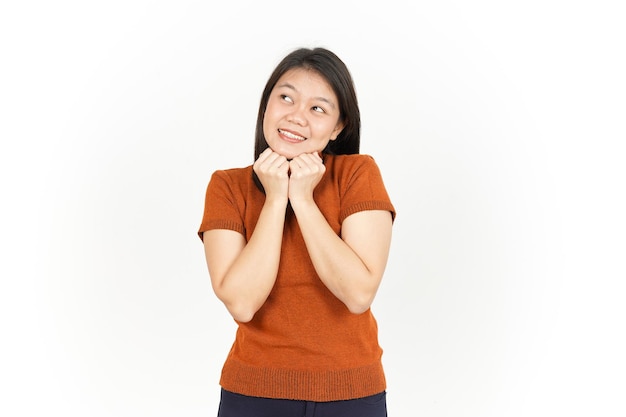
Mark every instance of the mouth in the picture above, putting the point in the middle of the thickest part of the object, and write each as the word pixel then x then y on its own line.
pixel 291 136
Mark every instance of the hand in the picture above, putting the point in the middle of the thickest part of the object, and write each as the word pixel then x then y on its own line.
pixel 306 172
pixel 273 172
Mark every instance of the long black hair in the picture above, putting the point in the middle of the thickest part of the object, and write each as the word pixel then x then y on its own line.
pixel 334 71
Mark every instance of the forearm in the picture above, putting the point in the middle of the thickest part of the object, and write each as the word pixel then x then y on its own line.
pixel 339 267
pixel 250 279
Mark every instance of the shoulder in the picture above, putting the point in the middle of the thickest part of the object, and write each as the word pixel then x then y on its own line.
pixel 231 181
pixel 350 163
pixel 353 172
pixel 233 177
pixel 359 184
pixel 233 174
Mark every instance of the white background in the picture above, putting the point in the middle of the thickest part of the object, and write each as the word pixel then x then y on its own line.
pixel 499 130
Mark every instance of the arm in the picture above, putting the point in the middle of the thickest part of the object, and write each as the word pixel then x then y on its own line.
pixel 351 266
pixel 243 274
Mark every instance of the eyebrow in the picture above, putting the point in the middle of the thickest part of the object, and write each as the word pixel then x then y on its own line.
pixel 323 99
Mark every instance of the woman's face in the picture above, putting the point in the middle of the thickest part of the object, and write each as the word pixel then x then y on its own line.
pixel 302 114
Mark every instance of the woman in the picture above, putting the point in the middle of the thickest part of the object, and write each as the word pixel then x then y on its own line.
pixel 296 246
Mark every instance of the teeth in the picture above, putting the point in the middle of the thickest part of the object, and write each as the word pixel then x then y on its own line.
pixel 291 135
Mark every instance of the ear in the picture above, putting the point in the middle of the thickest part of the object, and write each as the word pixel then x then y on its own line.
pixel 337 130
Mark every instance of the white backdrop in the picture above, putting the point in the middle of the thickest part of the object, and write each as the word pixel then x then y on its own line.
pixel 499 130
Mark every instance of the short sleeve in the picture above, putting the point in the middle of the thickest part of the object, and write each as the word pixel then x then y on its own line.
pixel 221 209
pixel 365 190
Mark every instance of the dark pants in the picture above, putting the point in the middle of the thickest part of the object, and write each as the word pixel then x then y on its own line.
pixel 237 405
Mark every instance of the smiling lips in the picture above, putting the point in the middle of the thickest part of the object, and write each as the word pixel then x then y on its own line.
pixel 291 136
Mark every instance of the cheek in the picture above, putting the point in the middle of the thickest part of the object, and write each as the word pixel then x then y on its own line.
pixel 329 130
pixel 271 114
pixel 266 128
pixel 267 118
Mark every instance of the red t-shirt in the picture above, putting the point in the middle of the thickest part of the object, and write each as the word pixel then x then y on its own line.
pixel 303 343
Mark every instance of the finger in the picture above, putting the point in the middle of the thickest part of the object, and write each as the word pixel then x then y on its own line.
pixel 276 161
pixel 272 163
pixel 268 158
pixel 263 156
pixel 310 162
pixel 295 163
pixel 315 156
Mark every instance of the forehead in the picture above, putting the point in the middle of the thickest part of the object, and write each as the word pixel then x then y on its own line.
pixel 306 80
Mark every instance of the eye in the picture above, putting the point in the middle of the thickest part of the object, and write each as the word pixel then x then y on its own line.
pixel 318 109
pixel 286 98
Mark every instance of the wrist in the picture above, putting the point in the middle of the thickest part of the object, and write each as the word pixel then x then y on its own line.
pixel 276 201
pixel 302 203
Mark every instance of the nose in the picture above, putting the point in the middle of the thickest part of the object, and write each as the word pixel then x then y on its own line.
pixel 298 116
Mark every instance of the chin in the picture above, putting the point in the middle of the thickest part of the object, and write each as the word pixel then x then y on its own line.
pixel 289 154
